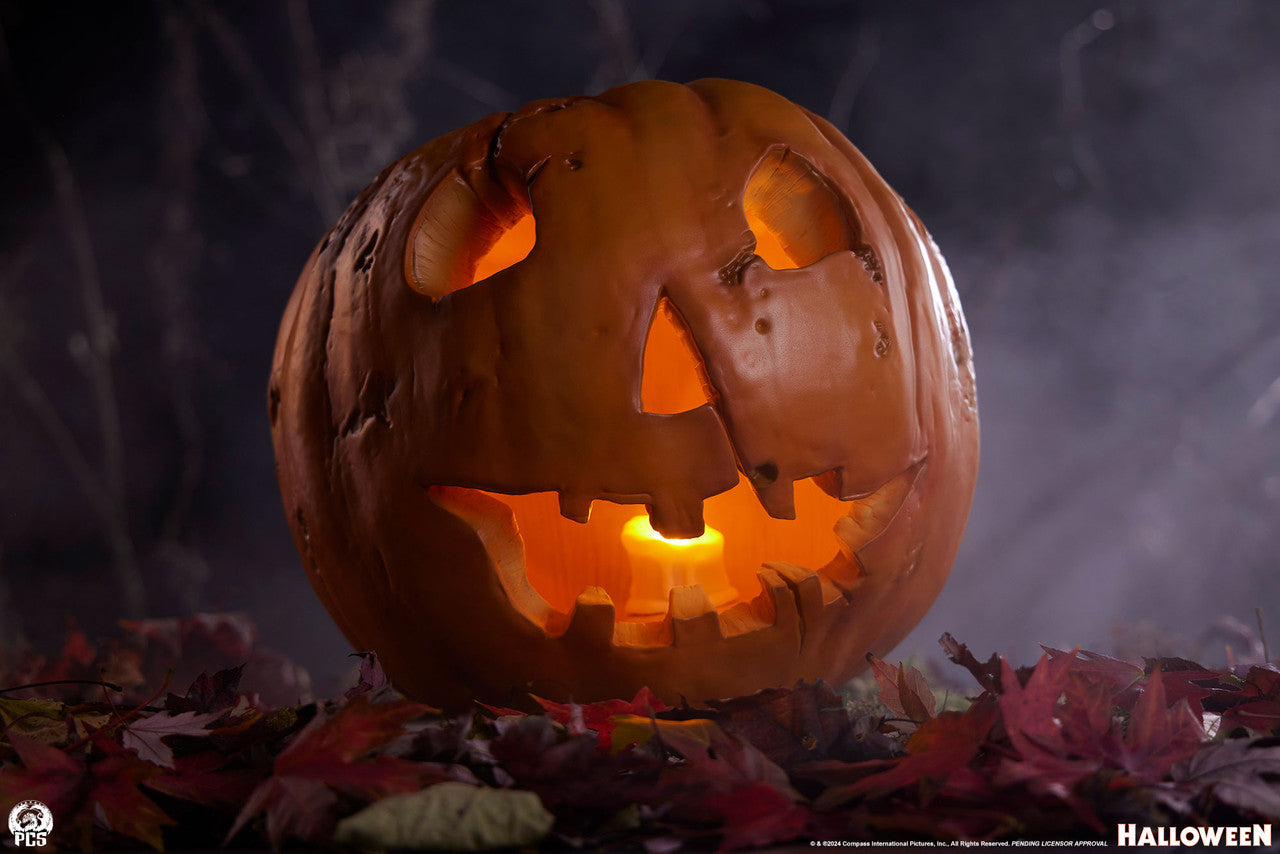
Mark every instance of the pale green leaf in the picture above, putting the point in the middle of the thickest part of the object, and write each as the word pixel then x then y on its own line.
pixel 449 816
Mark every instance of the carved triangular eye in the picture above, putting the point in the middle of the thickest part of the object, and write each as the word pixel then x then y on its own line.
pixel 793 212
pixel 459 240
pixel 673 378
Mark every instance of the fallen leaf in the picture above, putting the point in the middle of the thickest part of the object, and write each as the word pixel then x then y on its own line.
pixel 938 750
pixel 83 794
pixel 145 735
pixel 569 769
pixel 47 774
pixel 800 724
pixel 118 800
pixel 1029 712
pixel 372 679
pixel 43 720
pixel 1242 772
pixel 1113 670
pixel 1159 736
pixel 754 816
pixel 332 753
pixel 986 672
pixel 449 816
pixel 206 778
pixel 599 717
pixel 209 693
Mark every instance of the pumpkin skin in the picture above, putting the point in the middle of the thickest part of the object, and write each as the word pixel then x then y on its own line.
pixel 438 422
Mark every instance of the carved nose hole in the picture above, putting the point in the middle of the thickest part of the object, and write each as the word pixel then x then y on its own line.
pixel 673 378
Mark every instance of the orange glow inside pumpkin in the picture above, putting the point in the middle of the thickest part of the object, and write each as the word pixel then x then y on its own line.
pixel 796 220
pixel 562 556
pixel 510 248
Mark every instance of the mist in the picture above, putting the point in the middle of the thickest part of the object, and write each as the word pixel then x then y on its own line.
pixel 1102 180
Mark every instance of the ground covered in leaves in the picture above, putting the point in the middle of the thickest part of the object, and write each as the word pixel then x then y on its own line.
pixel 1065 749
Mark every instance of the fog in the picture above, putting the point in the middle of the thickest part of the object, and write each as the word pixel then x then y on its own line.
pixel 1103 181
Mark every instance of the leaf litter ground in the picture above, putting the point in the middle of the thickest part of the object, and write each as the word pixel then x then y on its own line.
pixel 1065 749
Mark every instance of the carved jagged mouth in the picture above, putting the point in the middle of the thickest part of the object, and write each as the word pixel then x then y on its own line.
pixel 577 585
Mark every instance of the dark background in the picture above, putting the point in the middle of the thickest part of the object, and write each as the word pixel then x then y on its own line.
pixel 1104 181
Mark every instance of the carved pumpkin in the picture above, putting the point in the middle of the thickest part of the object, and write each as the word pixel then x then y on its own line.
pixel 698 305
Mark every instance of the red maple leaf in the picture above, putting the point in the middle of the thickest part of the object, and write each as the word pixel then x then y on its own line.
pixel 754 815
pixel 207 693
pixel 800 724
pixel 83 794
pixel 1029 711
pixel 145 735
pixel 904 692
pixel 1255 704
pixel 600 716
pixel 206 778
pixel 115 793
pixel 938 755
pixel 1159 736
pixel 333 754
pixel 1113 671
pixel 47 774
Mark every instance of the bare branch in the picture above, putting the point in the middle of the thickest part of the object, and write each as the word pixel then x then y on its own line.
pixel 1073 107
pixel 468 82
pixel 174 258
pixel 57 431
pixel 240 60
pixel 99 340
pixel 620 60
pixel 314 108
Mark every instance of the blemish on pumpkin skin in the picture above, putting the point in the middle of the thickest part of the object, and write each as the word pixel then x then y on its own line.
pixel 871 262
pixel 883 344
pixel 363 262
pixel 764 474
pixel 303 527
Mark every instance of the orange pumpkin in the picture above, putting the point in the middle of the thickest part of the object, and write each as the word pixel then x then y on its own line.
pixel 698 305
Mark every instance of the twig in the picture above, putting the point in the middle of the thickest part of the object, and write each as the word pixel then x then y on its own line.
pixel 619 59
pixel 1262 635
pixel 175 256
pixel 313 105
pixel 468 82
pixel 1069 49
pixel 295 141
pixel 51 423
pixel 109 685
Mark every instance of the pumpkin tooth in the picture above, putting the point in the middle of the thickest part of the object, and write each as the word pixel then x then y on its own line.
pixel 593 617
pixel 693 618
pixel 785 611
pixel 805 584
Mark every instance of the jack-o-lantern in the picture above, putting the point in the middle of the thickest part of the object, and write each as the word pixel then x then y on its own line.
pixel 661 387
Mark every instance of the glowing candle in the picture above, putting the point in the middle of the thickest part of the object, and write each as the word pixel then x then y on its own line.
pixel 658 564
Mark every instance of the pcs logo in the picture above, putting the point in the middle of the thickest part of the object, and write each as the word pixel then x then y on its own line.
pixel 30 823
